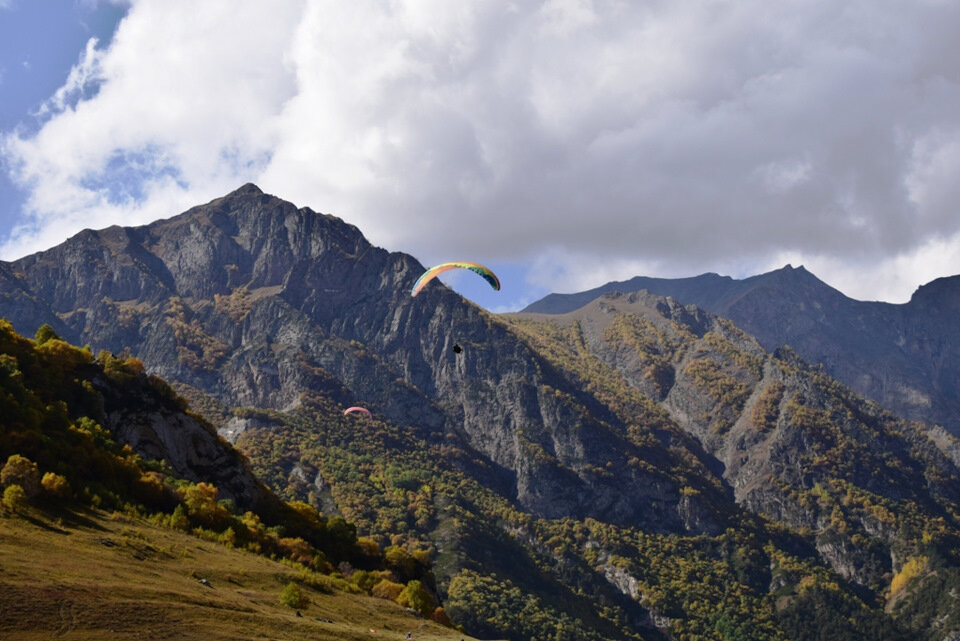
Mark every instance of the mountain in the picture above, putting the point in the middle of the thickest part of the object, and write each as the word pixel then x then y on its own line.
pixel 255 302
pixel 902 356
pixel 640 470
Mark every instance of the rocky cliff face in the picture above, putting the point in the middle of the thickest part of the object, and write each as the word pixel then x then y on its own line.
pixel 902 356
pixel 145 414
pixel 255 302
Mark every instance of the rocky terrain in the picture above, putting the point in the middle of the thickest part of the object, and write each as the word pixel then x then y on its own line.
pixel 255 302
pixel 791 443
pixel 902 356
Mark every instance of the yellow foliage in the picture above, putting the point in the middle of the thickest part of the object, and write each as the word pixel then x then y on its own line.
pixel 55 485
pixel 387 589
pixel 19 470
pixel 368 546
pixel 913 568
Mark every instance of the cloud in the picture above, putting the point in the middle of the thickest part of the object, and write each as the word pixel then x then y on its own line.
pixel 668 137
pixel 84 77
pixel 175 111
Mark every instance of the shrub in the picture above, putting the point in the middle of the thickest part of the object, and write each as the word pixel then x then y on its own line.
pixel 179 520
pixel 440 616
pixel 149 489
pixel 400 561
pixel 416 596
pixel 55 485
pixel 368 547
pixel 14 498
pixel 202 506
pixel 293 596
pixel 295 549
pixel 44 334
pixel 387 589
pixel 364 580
pixel 21 471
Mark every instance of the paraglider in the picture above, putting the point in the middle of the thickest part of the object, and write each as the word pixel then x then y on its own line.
pixel 361 410
pixel 477 268
pixel 456 348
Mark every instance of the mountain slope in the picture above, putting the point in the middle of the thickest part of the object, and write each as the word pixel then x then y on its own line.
pixel 592 473
pixel 902 356
pixel 100 576
pixel 793 443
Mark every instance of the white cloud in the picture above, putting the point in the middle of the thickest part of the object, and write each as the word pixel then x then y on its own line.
pixel 178 109
pixel 84 76
pixel 564 271
pixel 657 138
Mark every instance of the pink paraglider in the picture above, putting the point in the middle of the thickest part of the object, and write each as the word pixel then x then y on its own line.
pixel 362 410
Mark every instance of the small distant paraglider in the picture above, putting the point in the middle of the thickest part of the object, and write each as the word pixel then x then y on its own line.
pixel 456 348
pixel 477 268
pixel 360 410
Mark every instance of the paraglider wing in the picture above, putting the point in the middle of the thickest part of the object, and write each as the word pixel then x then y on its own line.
pixel 362 410
pixel 477 268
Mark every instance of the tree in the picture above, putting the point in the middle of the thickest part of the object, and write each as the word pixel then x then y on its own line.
pixel 387 589
pixel 55 485
pixel 201 502
pixel 44 334
pixel 416 596
pixel 21 471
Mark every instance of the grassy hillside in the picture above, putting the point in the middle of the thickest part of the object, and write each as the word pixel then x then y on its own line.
pixel 94 575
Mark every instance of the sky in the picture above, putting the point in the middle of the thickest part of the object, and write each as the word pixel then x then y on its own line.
pixel 563 143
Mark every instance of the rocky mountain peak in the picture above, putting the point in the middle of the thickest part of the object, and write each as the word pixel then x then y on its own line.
pixel 247 189
pixel 940 292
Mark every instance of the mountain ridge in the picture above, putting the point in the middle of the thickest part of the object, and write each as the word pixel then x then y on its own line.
pixel 899 355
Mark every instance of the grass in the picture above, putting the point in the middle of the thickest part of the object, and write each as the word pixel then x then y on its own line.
pixel 97 576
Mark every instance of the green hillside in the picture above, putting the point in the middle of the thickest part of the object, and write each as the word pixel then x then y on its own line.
pixel 89 523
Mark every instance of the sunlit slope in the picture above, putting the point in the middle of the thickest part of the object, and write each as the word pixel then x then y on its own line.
pixel 98 576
